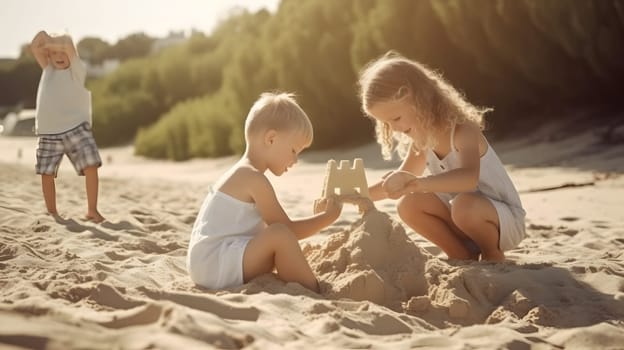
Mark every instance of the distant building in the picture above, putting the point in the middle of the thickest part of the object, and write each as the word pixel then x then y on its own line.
pixel 20 123
pixel 174 38
pixel 99 70
pixel 4 110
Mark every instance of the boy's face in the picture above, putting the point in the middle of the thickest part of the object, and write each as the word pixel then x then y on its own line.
pixel 399 114
pixel 284 148
pixel 59 59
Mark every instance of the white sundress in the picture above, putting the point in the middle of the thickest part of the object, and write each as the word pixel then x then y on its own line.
pixel 495 184
pixel 220 234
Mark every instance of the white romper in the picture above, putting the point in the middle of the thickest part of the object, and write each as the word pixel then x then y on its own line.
pixel 220 234
pixel 495 184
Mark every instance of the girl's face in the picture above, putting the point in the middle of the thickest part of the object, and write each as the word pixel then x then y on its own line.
pixel 284 149
pixel 399 114
pixel 59 59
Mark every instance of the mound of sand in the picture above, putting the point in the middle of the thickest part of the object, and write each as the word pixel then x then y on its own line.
pixel 374 260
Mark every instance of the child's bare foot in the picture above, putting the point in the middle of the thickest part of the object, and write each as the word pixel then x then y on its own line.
pixel 55 215
pixel 94 216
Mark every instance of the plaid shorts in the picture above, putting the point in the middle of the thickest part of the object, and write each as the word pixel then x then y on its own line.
pixel 79 145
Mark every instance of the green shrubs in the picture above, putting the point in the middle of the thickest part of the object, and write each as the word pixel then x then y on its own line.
pixel 517 56
pixel 195 128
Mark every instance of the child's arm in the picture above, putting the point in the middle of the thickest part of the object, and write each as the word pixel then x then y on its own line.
pixel 462 179
pixel 272 212
pixel 63 43
pixel 413 164
pixel 37 47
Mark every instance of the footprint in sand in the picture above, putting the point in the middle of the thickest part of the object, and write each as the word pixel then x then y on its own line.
pixel 208 303
pixel 540 227
pixel 142 315
pixel 150 247
pixel 143 217
pixel 567 231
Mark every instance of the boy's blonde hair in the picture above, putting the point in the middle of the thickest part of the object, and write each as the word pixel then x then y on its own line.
pixel 277 111
pixel 392 77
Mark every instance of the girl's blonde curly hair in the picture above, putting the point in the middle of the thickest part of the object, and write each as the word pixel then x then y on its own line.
pixel 440 106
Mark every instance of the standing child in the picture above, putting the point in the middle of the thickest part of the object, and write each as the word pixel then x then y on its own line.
pixel 242 231
pixel 63 119
pixel 467 205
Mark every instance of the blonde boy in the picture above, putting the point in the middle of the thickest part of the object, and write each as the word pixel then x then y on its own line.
pixel 242 231
pixel 63 119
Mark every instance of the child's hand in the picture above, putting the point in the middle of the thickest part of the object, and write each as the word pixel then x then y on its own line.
pixel 329 205
pixel 41 39
pixel 396 183
pixel 364 204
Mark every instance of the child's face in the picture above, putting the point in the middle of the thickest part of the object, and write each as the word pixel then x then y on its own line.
pixel 400 115
pixel 284 151
pixel 59 59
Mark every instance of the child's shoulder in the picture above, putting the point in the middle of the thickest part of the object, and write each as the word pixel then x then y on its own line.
pixel 245 170
pixel 245 174
pixel 465 131
pixel 469 135
pixel 243 181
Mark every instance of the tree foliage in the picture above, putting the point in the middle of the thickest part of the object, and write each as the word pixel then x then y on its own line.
pixel 514 55
pixel 517 56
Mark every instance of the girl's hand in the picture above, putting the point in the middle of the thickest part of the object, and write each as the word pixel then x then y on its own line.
pixel 396 183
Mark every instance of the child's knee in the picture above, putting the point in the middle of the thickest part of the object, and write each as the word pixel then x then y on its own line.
pixel 465 210
pixel 408 206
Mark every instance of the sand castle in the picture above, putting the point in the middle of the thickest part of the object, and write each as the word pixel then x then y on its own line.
pixel 345 180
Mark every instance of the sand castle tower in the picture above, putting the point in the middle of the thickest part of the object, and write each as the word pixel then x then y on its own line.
pixel 344 179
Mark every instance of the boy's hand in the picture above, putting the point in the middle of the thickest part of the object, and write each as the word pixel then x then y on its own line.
pixel 396 183
pixel 364 204
pixel 38 48
pixel 41 39
pixel 329 205
pixel 56 43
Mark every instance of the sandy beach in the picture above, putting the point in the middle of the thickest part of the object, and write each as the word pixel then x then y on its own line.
pixel 67 283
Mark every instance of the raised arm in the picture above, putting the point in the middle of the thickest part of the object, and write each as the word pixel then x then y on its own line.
pixel 63 43
pixel 272 212
pixel 38 49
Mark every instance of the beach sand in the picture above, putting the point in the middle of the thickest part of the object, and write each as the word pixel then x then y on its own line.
pixel 68 283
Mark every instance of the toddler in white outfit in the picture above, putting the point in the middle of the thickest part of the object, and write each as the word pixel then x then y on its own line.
pixel 242 231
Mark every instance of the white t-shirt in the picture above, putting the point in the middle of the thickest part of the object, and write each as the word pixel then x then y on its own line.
pixel 62 100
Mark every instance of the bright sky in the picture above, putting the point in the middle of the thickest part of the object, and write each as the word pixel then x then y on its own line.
pixel 111 20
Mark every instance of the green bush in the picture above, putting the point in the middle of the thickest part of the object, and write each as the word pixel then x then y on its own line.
pixel 196 128
pixel 518 56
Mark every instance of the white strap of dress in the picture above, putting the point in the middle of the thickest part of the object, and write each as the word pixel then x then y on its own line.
pixel 453 138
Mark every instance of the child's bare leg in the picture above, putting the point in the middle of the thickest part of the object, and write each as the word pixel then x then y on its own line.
pixel 277 247
pixel 49 193
pixel 428 216
pixel 91 182
pixel 476 217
